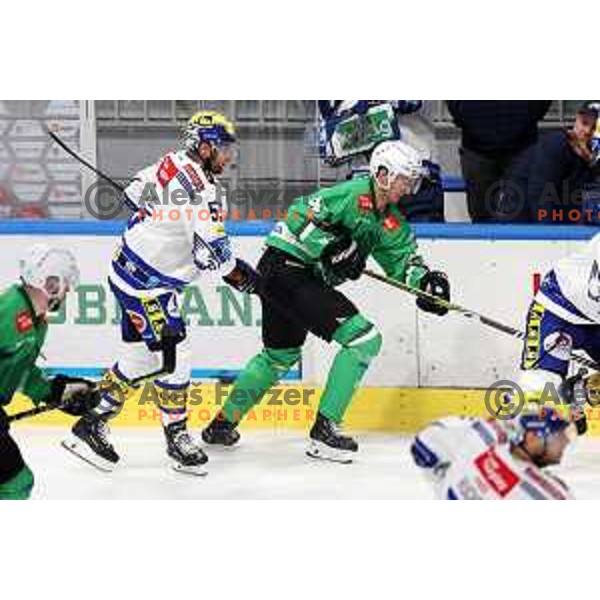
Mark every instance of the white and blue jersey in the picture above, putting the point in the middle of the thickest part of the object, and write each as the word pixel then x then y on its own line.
pixel 564 317
pixel 571 290
pixel 470 459
pixel 351 128
pixel 167 244
pixel 172 242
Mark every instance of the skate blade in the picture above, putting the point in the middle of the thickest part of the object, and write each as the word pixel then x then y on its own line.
pixel 87 455
pixel 221 447
pixel 322 451
pixel 194 471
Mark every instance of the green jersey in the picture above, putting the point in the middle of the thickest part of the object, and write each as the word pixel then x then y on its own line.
pixel 348 208
pixel 22 336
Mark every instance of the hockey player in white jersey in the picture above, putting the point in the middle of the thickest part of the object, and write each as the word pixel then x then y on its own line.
pixel 478 459
pixel 164 248
pixel 564 316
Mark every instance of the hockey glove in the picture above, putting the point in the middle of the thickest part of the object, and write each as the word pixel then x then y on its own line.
pixel 3 421
pixel 435 283
pixel 342 260
pixel 73 395
pixel 243 278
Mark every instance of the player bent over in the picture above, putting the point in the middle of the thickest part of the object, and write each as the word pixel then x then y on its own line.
pixel 478 459
pixel 325 240
pixel 156 258
pixel 47 274
pixel 564 316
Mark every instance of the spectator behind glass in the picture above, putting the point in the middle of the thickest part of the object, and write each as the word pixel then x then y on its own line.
pixel 349 130
pixel 547 182
pixel 494 135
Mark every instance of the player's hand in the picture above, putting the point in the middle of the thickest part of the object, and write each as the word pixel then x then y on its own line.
pixel 243 278
pixel 73 395
pixel 342 260
pixel 435 283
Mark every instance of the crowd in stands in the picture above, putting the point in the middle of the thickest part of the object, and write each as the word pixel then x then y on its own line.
pixel 514 173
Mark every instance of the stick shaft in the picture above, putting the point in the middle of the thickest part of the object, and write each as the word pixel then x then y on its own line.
pixel 84 162
pixel 32 412
pixel 471 314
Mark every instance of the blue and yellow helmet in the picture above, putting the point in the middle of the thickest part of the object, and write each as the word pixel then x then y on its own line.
pixel 544 421
pixel 207 126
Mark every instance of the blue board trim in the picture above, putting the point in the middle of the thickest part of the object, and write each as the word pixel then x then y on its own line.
pixel 97 372
pixel 444 231
pixel 453 183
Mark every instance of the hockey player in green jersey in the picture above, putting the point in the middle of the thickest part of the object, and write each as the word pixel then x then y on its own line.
pixel 325 240
pixel 47 274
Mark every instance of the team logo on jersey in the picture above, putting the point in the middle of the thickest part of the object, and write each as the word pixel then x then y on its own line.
pixel 499 476
pixel 365 203
pixel 559 345
pixel 137 320
pixel 391 223
pixel 166 171
pixel 23 321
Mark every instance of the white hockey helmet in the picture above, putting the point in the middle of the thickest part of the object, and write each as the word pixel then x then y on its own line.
pixel 52 270
pixel 398 158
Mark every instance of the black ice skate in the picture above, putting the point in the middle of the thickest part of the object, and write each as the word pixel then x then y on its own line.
pixel 90 443
pixel 220 433
pixel 327 443
pixel 188 457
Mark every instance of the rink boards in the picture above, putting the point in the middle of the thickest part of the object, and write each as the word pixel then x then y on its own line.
pixel 428 367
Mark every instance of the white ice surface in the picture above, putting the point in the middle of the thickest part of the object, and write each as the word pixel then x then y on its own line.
pixel 266 465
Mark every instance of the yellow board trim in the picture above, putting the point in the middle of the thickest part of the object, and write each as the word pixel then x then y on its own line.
pixel 390 410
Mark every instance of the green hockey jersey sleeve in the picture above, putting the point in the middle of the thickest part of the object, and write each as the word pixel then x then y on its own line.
pixel 36 385
pixel 396 252
pixel 316 220
pixel 21 339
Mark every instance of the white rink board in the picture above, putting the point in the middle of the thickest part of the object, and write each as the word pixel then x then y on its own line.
pixel 95 346
pixel 491 276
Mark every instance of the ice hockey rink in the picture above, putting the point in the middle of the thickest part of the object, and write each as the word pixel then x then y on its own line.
pixel 266 465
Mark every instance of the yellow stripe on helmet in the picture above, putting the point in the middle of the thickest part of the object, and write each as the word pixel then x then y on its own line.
pixel 210 118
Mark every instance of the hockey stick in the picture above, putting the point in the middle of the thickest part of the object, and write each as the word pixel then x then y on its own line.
pixel 168 367
pixel 32 412
pixel 169 354
pixel 470 314
pixel 84 162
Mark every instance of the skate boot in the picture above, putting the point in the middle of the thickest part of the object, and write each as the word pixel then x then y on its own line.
pixel 187 456
pixel 89 441
pixel 327 443
pixel 221 433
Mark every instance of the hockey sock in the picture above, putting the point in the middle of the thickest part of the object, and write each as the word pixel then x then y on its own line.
pixel 361 342
pixel 19 487
pixel 114 388
pixel 173 401
pixel 260 374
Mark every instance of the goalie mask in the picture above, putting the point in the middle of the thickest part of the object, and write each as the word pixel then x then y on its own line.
pixel 212 128
pixel 54 271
